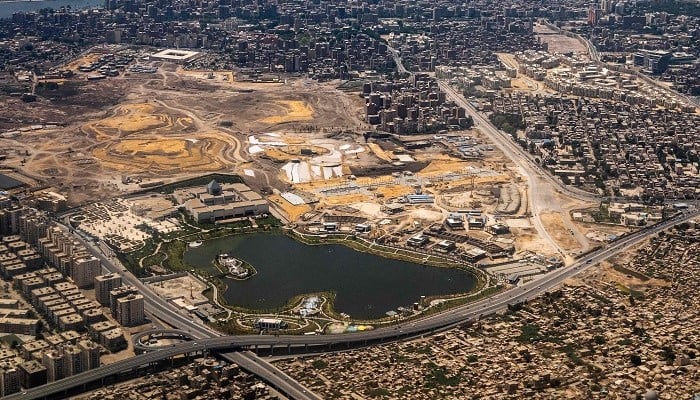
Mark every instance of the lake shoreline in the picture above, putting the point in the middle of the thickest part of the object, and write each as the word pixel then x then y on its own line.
pixel 470 278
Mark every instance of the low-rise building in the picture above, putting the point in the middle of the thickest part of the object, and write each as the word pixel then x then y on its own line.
pixel 218 202
pixel 22 326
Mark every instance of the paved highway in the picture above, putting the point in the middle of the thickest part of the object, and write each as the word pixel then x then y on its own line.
pixel 509 148
pixel 595 57
pixel 153 304
pixel 397 60
pixel 540 184
pixel 278 379
pixel 165 312
pixel 542 188
pixel 408 329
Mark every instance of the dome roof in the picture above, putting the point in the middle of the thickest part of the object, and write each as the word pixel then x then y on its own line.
pixel 214 188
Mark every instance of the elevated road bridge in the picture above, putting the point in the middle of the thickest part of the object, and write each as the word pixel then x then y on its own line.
pixel 323 343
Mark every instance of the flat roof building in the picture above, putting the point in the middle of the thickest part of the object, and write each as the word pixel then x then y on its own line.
pixel 9 379
pixel 175 55
pixel 269 324
pixel 418 240
pixel 113 339
pixel 118 293
pixel 90 354
pixel 84 271
pixel 130 310
pixel 53 361
pixel 9 303
pixel 71 321
pixel 35 346
pixel 32 374
pixel 22 326
pixel 215 201
pixel 105 284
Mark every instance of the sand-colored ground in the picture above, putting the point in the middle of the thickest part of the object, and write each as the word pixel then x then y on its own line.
pixel 443 165
pixel 292 212
pixel 381 154
pixel 184 122
pixel 276 154
pixel 295 139
pixel 334 182
pixel 290 111
pixel 344 199
pixel 86 59
pixel 209 75
pixel 467 181
pixel 292 152
pixel 168 105
pixel 522 83
pixel 563 44
pixel 165 147
pixel 320 184
pixel 507 59
pixel 162 155
pixel 554 224
pixel 426 215
pixel 156 142
pixel 129 119
pixel 527 239
pixel 605 272
pixel 133 118
pixel 186 286
pixel 391 191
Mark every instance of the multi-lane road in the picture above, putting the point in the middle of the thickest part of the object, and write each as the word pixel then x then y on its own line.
pixel 542 188
pixel 319 343
pixel 164 311
pixel 153 304
pixel 268 372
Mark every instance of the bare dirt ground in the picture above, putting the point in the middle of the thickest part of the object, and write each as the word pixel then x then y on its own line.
pixel 187 287
pixel 522 83
pixel 292 212
pixel 605 272
pixel 559 43
pixel 555 224
pixel 163 126
pixel 175 124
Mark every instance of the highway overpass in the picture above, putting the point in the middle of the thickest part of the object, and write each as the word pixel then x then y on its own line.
pixel 322 343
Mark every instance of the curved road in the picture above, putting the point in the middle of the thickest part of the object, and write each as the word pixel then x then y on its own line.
pixel 167 313
pixel 208 339
pixel 409 329
pixel 542 187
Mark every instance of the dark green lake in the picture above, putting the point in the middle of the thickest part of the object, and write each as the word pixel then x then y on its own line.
pixel 366 286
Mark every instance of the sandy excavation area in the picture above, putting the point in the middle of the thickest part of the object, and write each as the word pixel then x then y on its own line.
pixel 186 287
pixel 291 111
pixel 167 126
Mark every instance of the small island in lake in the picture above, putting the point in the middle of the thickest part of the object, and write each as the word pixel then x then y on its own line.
pixel 234 267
